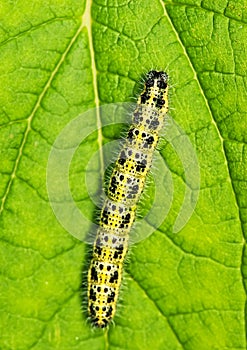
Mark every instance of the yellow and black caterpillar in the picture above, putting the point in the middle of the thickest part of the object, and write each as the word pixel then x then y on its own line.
pixel 125 187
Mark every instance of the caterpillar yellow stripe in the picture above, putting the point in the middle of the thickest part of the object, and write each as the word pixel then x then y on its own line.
pixel 125 187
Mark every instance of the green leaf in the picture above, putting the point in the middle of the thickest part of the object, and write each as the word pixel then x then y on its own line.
pixel 184 290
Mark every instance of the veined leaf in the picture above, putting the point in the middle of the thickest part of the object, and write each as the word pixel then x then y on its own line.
pixel 58 60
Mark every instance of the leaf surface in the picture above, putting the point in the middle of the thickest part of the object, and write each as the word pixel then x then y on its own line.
pixel 58 60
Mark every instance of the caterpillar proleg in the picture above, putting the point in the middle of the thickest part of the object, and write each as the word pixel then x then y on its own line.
pixel 125 187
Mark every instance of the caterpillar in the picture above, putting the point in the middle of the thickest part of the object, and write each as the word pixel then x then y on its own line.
pixel 125 187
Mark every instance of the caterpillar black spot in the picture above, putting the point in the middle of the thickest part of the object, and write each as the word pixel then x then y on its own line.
pixel 124 190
